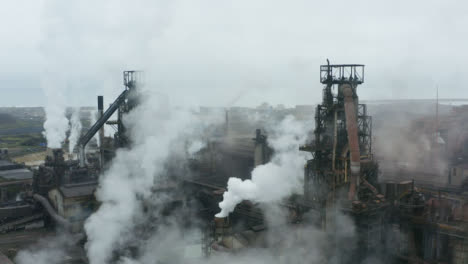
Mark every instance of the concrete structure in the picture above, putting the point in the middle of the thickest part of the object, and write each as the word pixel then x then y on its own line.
pixel 74 202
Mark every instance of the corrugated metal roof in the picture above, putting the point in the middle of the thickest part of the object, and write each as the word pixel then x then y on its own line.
pixel 78 190
pixel 8 165
pixel 16 174
pixel 5 162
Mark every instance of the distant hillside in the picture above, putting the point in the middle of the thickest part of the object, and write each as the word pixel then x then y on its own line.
pixel 12 123
pixel 7 119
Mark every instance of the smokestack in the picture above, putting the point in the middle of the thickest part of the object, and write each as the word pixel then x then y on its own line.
pixel 55 159
pixel 100 113
pixel 101 130
pixel 226 124
pixel 259 151
pixel 52 152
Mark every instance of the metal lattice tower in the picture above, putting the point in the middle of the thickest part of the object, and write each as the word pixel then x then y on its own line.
pixel 132 81
pixel 329 169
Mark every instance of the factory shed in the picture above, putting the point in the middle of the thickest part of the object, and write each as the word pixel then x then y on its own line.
pixel 16 174
pixel 8 165
pixel 14 178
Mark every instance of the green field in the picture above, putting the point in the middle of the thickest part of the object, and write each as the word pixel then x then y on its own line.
pixel 22 144
pixel 21 128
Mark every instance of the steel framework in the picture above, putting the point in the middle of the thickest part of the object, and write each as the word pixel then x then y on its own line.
pixel 329 169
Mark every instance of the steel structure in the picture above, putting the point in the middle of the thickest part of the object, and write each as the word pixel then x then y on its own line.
pixel 131 80
pixel 343 136
pixel 124 103
pixel 341 73
pixel 342 160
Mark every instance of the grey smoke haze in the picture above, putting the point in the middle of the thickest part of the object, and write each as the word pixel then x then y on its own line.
pixel 403 140
pixel 127 185
pixel 271 49
pixel 48 250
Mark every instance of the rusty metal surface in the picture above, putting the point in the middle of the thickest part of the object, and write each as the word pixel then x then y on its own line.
pixel 353 139
pixel 78 190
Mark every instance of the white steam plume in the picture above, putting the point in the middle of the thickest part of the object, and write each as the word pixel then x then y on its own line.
pixel 56 123
pixel 75 129
pixel 93 118
pixel 50 250
pixel 195 146
pixel 133 172
pixel 277 179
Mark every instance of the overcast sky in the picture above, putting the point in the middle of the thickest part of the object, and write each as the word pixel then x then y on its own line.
pixel 219 53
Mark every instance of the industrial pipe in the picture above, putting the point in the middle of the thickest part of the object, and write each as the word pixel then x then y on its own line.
pixel 98 125
pixel 58 219
pixel 353 140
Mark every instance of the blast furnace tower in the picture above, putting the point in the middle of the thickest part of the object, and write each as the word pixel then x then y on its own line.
pixel 342 146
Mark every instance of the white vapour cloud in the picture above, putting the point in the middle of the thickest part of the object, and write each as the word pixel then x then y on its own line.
pixel 277 179
pixel 50 250
pixel 93 118
pixel 288 244
pixel 56 123
pixel 75 129
pixel 134 172
pixel 195 146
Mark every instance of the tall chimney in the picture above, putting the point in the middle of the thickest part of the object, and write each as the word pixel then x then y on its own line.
pixel 101 130
pixel 259 151
pixel 226 120
pixel 100 103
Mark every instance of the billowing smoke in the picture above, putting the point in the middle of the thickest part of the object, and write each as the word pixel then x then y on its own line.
pixel 195 146
pixel 277 179
pixel 75 129
pixel 134 172
pixel 405 143
pixel 285 244
pixel 56 123
pixel 49 250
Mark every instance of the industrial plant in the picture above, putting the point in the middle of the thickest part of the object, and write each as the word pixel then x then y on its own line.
pixel 310 184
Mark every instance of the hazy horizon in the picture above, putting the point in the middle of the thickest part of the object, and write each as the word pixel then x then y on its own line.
pixel 230 53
